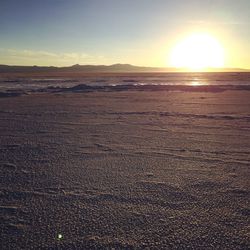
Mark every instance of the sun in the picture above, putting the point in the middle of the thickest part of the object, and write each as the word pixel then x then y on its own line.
pixel 198 52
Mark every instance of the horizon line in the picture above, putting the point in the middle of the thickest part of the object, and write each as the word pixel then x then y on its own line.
pixel 174 69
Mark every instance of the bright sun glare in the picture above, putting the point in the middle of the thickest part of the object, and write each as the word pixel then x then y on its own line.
pixel 198 52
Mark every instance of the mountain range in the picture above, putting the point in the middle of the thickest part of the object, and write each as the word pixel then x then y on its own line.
pixel 114 68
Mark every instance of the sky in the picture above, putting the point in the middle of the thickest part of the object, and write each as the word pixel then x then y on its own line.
pixel 139 32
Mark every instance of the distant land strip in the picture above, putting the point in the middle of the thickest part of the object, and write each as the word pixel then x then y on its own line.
pixel 114 68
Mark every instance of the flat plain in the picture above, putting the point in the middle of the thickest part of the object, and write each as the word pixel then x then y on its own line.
pixel 125 170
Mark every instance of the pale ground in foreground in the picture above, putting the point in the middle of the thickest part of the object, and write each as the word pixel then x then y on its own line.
pixel 125 169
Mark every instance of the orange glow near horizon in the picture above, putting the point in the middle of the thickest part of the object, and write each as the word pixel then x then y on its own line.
pixel 198 52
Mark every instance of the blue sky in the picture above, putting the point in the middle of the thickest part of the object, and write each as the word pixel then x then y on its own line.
pixel 142 32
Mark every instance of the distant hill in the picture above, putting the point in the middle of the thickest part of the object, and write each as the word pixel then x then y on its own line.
pixel 83 68
pixel 115 68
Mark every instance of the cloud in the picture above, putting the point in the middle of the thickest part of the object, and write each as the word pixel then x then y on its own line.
pixel 205 22
pixel 27 53
pixel 40 57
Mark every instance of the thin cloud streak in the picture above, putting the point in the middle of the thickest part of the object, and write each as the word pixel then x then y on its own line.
pixel 205 22
pixel 40 57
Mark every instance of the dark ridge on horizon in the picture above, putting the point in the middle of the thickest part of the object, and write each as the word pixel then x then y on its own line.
pixel 114 68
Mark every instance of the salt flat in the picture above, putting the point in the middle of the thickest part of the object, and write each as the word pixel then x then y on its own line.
pixel 125 170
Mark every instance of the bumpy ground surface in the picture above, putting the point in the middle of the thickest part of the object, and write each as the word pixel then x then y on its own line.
pixel 125 170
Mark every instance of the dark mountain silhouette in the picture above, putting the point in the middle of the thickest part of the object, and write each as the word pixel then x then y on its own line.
pixel 115 68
